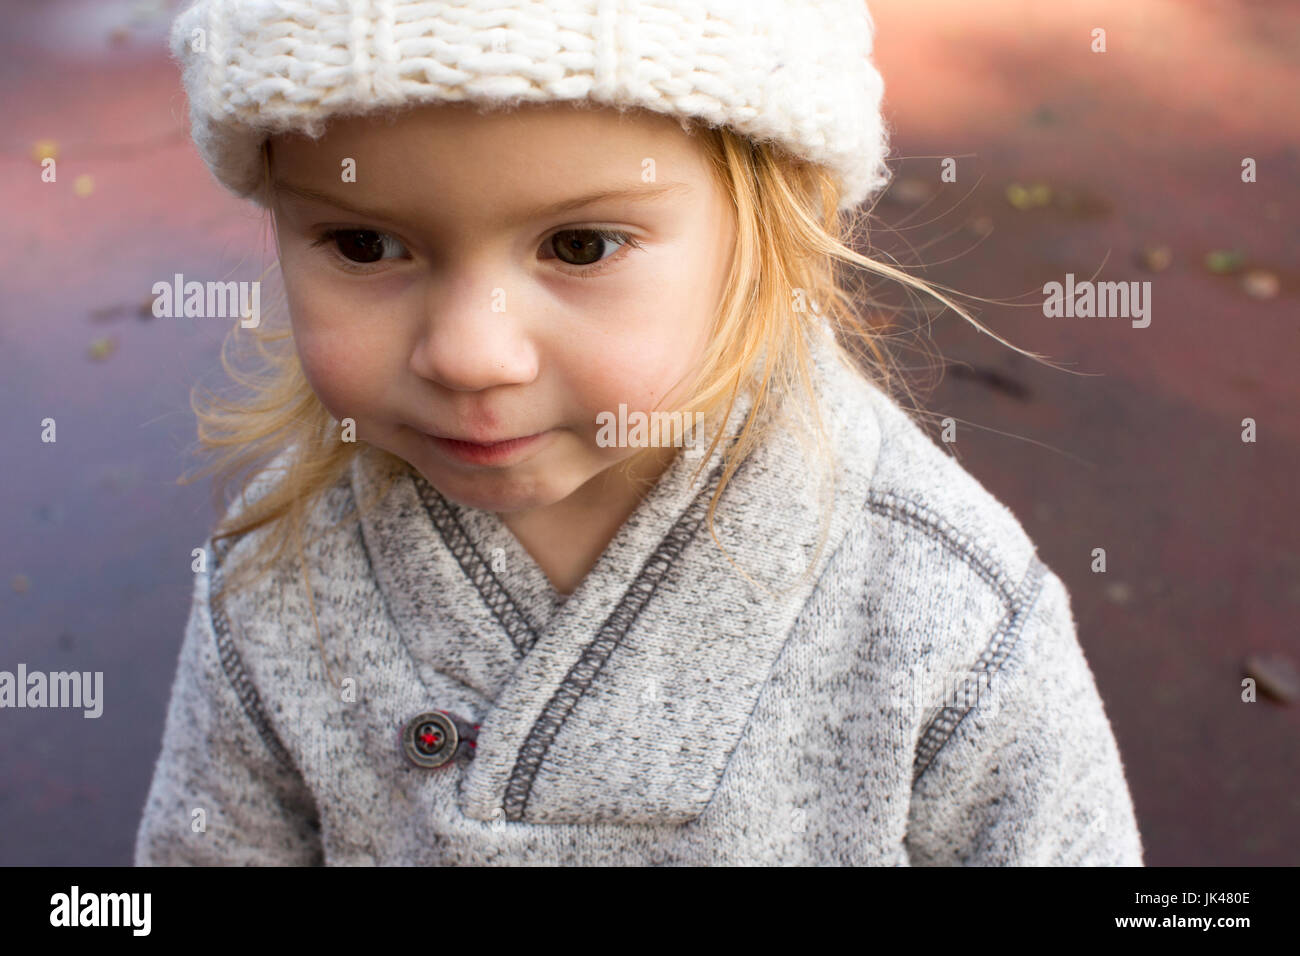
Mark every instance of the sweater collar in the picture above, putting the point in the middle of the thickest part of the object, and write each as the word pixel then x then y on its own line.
pixel 623 702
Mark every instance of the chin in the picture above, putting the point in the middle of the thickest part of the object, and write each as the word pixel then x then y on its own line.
pixel 501 495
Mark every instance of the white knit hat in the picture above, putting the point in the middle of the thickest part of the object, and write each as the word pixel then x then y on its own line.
pixel 797 72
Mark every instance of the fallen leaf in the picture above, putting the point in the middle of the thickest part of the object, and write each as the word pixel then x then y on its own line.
pixel 911 191
pixel 44 149
pixel 1082 204
pixel 20 583
pixel 1155 258
pixel 1276 676
pixel 1119 592
pixel 119 478
pixel 1260 283
pixel 1028 197
pixel 107 313
pixel 1224 261
pixel 1043 116
pixel 995 379
pixel 101 349
pixel 83 185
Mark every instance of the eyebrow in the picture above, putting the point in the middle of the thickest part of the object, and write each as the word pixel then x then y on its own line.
pixel 634 194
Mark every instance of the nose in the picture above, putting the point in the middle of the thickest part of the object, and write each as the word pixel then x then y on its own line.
pixel 471 339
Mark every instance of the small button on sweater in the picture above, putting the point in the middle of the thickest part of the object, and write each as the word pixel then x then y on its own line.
pixel 919 698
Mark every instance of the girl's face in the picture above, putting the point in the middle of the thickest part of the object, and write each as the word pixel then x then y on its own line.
pixel 455 286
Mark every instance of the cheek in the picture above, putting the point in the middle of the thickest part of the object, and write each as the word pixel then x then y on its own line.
pixel 668 343
pixel 343 368
pixel 636 369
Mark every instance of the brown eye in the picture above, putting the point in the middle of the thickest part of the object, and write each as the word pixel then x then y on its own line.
pixel 582 247
pixel 360 246
pixel 364 245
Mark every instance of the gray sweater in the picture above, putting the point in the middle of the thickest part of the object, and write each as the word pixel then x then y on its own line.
pixel 920 698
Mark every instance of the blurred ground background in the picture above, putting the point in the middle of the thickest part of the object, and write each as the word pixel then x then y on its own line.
pixel 1127 162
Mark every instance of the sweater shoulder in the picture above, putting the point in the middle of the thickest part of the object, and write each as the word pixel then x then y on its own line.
pixel 328 507
pixel 248 611
pixel 917 498
pixel 923 501
pixel 950 588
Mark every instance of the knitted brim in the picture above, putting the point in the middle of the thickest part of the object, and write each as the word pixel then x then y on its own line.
pixel 794 72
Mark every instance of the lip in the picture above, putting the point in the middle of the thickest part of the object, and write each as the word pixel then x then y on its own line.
pixel 487 453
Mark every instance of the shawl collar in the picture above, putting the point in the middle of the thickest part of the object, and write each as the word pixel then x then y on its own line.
pixel 623 703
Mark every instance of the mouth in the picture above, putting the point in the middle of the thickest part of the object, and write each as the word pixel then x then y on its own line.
pixel 487 453
pixel 480 444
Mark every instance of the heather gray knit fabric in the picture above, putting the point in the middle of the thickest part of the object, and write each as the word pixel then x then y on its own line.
pixel 921 698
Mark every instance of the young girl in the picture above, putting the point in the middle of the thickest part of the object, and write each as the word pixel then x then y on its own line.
pixel 592 534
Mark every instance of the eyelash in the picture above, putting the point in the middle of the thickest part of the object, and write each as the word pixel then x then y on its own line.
pixel 582 272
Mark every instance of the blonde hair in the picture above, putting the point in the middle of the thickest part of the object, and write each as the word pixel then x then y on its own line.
pixel 792 246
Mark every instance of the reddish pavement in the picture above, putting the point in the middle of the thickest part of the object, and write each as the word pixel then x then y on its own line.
pixel 1142 144
pixel 1143 457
